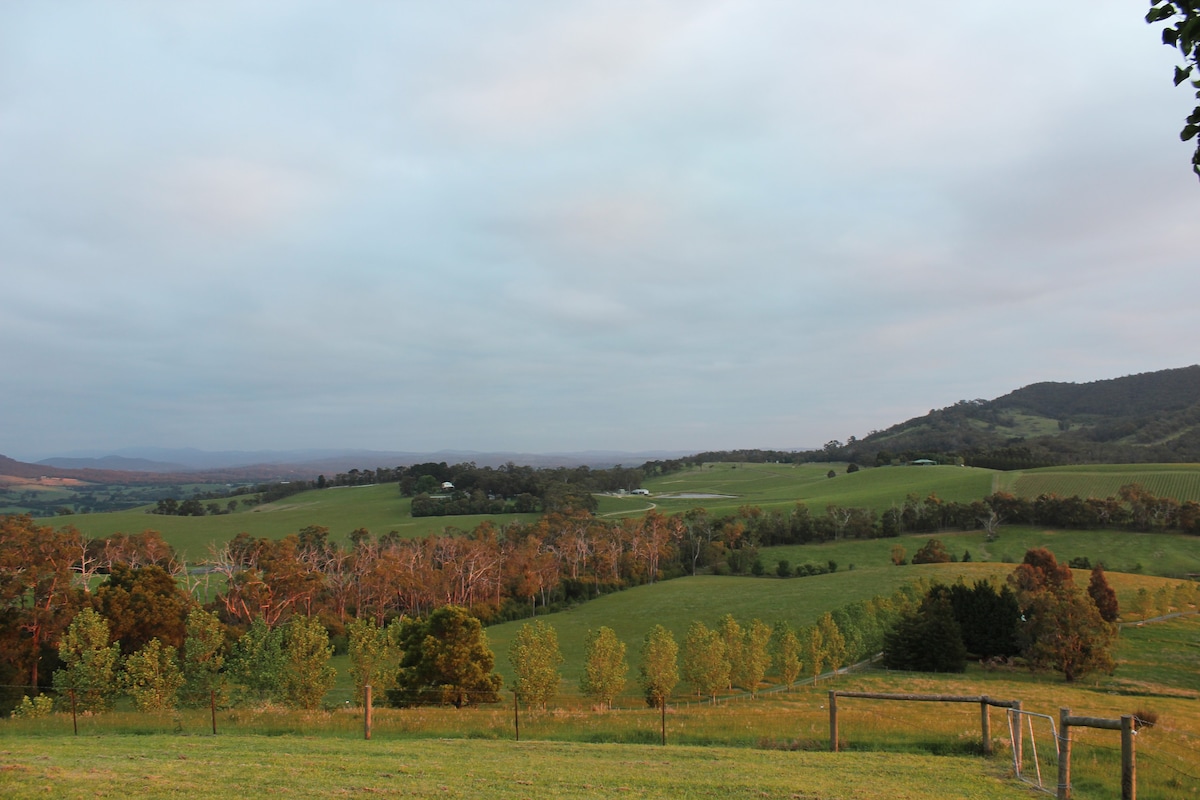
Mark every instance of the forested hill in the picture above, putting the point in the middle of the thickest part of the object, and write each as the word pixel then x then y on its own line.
pixel 1149 417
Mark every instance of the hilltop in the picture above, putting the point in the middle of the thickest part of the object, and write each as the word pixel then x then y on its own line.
pixel 1151 417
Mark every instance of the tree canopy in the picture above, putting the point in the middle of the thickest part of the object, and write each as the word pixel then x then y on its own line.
pixel 446 660
pixel 606 668
pixel 1183 32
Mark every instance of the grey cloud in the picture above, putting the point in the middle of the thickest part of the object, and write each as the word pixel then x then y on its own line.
pixel 631 224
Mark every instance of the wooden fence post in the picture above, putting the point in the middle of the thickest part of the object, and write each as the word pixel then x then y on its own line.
pixel 664 721
pixel 517 716
pixel 1128 760
pixel 212 709
pixel 833 722
pixel 985 725
pixel 1064 754
pixel 367 708
pixel 74 716
pixel 1018 740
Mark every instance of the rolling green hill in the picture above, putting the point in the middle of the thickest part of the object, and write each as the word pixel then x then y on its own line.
pixel 1149 417
pixel 675 604
pixel 721 488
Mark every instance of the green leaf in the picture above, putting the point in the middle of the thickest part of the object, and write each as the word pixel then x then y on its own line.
pixel 1181 74
pixel 1189 132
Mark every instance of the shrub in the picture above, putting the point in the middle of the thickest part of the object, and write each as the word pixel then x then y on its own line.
pixel 32 708
pixel 933 552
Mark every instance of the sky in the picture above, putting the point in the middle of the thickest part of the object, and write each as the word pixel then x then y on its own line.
pixel 538 226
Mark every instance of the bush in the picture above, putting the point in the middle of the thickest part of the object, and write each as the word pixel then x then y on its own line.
pixel 933 552
pixel 42 705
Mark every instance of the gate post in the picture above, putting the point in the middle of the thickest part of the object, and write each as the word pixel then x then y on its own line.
pixel 1128 760
pixel 833 722
pixel 1018 740
pixel 986 725
pixel 1064 754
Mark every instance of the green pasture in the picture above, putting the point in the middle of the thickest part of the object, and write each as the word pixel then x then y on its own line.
pixel 343 509
pixel 1165 554
pixel 169 766
pixel 1181 481
pixel 677 603
pixel 381 509
pixel 781 486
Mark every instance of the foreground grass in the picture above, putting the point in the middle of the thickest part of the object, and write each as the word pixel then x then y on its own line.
pixel 236 767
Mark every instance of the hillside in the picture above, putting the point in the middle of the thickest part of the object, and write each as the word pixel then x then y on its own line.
pixel 1149 417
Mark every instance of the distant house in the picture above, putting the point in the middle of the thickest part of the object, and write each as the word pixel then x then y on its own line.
pixel 923 462
pixel 640 491
pixel 447 485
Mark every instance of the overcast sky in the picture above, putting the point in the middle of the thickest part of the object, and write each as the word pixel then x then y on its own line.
pixel 547 226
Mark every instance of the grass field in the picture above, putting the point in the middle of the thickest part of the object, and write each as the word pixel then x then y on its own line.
pixel 380 508
pixel 677 603
pixel 165 766
pixel 1181 481
pixel 783 485
pixel 1170 555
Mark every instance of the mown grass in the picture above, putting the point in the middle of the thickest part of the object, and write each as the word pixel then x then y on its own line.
pixel 238 767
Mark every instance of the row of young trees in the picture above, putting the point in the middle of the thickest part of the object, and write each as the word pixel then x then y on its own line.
pixel 444 658
pixel 441 658
pixel 287 664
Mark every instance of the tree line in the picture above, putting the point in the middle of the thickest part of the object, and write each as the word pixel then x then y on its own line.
pixel 442 658
pixel 499 573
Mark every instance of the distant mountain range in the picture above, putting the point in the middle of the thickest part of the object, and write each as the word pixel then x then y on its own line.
pixel 1149 417
pixel 160 465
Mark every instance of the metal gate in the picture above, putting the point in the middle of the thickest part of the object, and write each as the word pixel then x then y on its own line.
pixel 1034 748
